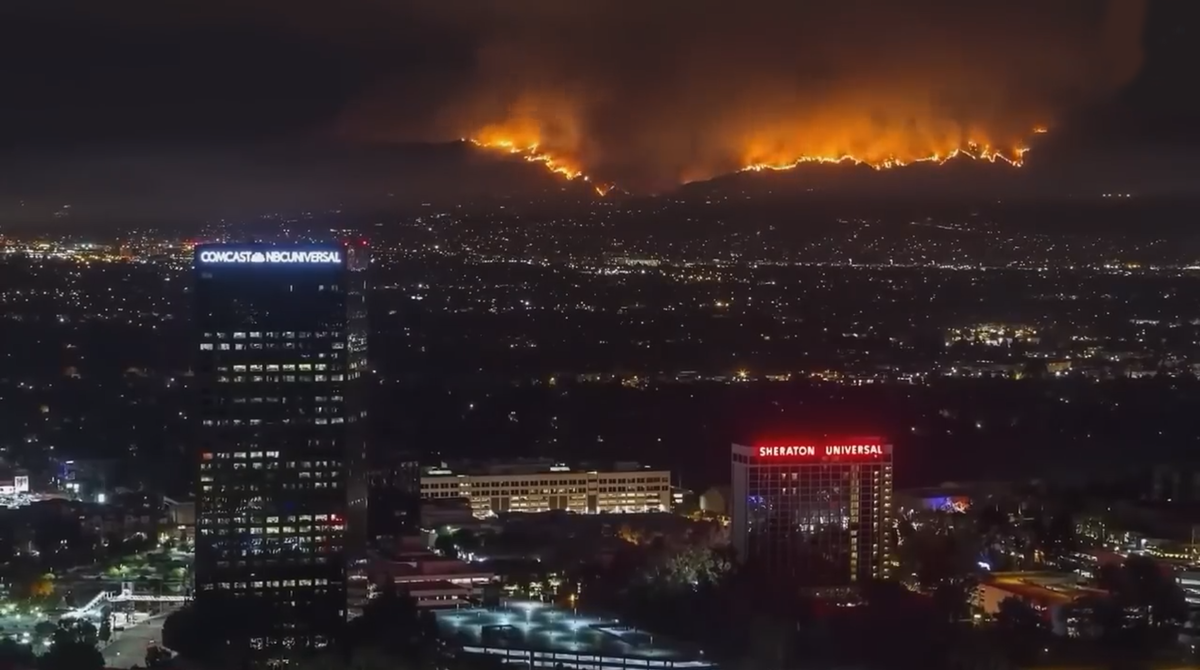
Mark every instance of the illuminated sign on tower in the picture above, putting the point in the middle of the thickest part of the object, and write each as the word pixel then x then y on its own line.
pixel 814 512
pixel 268 256
pixel 840 452
pixel 280 437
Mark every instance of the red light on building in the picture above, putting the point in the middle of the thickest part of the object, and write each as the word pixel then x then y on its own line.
pixel 807 451
pixel 814 511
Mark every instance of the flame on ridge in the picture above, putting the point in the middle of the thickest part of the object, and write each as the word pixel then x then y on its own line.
pixel 533 153
pixel 973 151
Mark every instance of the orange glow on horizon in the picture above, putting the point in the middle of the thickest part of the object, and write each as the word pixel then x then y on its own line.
pixel 524 142
pixel 1014 157
pixel 532 153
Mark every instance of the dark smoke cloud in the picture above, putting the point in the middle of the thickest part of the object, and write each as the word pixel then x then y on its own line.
pixel 657 91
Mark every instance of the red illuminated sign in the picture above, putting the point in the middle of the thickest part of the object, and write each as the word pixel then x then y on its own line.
pixel 860 450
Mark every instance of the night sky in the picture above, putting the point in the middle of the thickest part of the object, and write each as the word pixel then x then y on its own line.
pixel 154 100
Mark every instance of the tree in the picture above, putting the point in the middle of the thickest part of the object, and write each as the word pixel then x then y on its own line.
pixel 42 587
pixel 467 541
pixel 1055 535
pixel 1017 616
pixel 180 632
pixel 73 647
pixel 1021 629
pixel 688 568
pixel 44 629
pixel 1145 604
pixel 14 655
pixel 952 598
pixel 157 657
pixel 392 623
pixel 445 545
pixel 936 553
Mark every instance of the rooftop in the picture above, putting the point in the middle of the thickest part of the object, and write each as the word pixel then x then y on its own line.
pixel 529 466
pixel 531 625
pixel 1041 587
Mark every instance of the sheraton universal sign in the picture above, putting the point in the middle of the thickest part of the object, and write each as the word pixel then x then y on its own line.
pixel 826 450
pixel 223 256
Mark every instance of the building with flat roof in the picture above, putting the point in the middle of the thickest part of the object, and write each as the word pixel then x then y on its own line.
pixel 432 581
pixel 539 635
pixel 544 486
pixel 814 512
pixel 281 339
pixel 1046 592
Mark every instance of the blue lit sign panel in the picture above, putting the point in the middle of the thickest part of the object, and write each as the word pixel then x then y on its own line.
pixel 269 256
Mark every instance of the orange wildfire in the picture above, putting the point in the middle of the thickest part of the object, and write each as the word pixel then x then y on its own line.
pixel 1014 157
pixel 532 151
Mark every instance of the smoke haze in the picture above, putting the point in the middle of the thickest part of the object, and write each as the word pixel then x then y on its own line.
pixel 656 93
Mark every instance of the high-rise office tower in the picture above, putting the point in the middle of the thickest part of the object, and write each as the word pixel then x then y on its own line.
pixel 394 495
pixel 814 513
pixel 281 499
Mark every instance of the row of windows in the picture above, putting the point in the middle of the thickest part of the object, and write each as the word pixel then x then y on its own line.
pixel 281 367
pixel 255 400
pixel 430 482
pixel 272 335
pixel 281 547
pixel 237 455
pixel 206 475
pixel 517 493
pixel 320 421
pixel 285 486
pixel 271 518
pixel 482 491
pixel 262 346
pixel 813 475
pixel 289 534
pixel 273 584
pixel 828 490
pixel 241 379
pixel 272 562
pixel 292 534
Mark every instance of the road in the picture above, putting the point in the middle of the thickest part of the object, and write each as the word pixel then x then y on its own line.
pixel 128 647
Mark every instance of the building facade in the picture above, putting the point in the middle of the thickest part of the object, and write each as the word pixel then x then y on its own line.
pixel 543 486
pixel 814 513
pixel 394 507
pixel 281 491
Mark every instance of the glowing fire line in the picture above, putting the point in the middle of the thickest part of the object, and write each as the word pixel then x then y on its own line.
pixel 972 151
pixel 532 153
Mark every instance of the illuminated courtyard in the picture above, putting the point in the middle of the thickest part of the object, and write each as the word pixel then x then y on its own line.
pixel 541 635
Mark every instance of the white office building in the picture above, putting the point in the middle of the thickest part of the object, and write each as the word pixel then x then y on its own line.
pixel 543 486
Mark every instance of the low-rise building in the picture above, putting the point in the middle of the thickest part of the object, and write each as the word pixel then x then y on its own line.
pixel 543 486
pixel 432 581
pixel 1046 592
